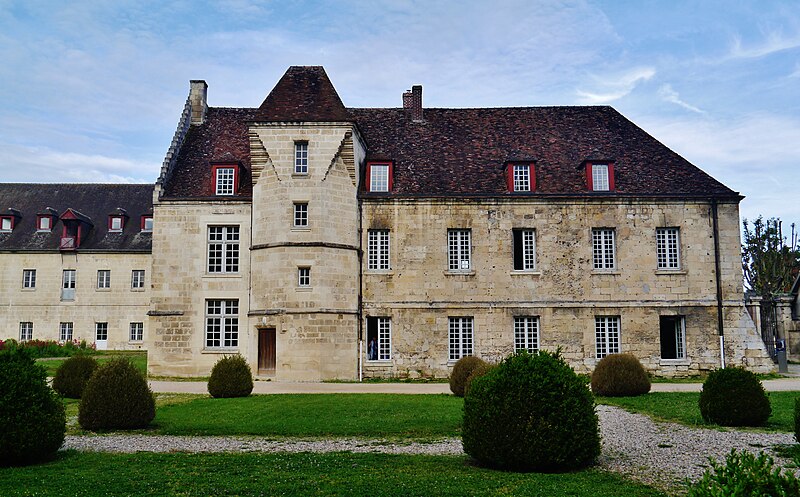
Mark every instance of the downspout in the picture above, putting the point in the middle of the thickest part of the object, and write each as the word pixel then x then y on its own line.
pixel 360 291
pixel 720 322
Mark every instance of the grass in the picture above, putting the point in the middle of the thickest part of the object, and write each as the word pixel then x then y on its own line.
pixel 139 359
pixel 75 473
pixel 682 407
pixel 316 415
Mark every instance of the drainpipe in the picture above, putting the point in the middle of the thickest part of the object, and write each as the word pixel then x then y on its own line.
pixel 360 291
pixel 720 323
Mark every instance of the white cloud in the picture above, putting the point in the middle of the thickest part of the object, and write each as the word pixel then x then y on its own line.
pixel 668 94
pixel 775 42
pixel 615 88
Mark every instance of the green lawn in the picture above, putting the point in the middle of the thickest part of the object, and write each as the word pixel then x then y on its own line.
pixel 75 473
pixel 139 360
pixel 682 407
pixel 316 415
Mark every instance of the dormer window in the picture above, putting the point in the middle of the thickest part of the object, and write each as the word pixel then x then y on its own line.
pixel 147 223
pixel 521 177
pixel 600 176
pixel 379 176
pixel 44 223
pixel 116 223
pixel 300 157
pixel 6 223
pixel 225 180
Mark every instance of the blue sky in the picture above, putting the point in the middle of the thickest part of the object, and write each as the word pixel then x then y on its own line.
pixel 92 91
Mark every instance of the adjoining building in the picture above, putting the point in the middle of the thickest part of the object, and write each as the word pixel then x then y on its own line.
pixel 327 242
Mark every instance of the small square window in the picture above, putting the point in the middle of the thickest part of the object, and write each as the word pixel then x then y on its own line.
pixel 6 223
pixel 147 223
pixel 304 276
pixel 104 279
pixel 301 157
pixel 115 223
pixel 300 215
pixel 45 223
pixel 225 180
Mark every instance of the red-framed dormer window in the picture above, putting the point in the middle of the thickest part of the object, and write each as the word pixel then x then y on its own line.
pixel 226 179
pixel 380 176
pixel 600 176
pixel 116 224
pixel 6 224
pixel 147 223
pixel 521 177
pixel 44 222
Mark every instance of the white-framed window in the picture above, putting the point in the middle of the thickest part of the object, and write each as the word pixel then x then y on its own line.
pixel 673 337
pixel 29 278
pixel 45 223
pixel 225 180
pixel 25 331
pixel 379 339
pixel 522 177
pixel 6 223
pixel 101 332
pixel 147 224
pixel 460 337
pixel 65 332
pixel 459 249
pixel 526 333
pixel 378 250
pixel 136 332
pixel 606 335
pixel 301 157
pixel 68 284
pixel 223 249
pixel 137 279
pixel 222 323
pixel 379 177
pixel 603 253
pixel 668 248
pixel 103 278
pixel 300 215
pixel 600 181
pixel 304 276
pixel 524 249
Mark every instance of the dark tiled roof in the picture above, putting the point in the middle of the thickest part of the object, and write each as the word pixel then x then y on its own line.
pixel 94 201
pixel 221 138
pixel 304 93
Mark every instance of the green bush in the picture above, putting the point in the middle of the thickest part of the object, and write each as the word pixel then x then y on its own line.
pixel 797 419
pixel 745 475
pixel 461 371
pixel 734 397
pixel 480 370
pixel 72 375
pixel 49 348
pixel 116 397
pixel 531 413
pixel 620 375
pixel 32 419
pixel 230 377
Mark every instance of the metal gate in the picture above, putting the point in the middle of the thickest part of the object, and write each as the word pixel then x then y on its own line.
pixel 769 326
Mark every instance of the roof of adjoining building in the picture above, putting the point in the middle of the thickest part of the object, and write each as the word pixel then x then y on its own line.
pixel 453 152
pixel 91 203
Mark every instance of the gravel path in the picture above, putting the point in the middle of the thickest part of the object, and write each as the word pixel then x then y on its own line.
pixel 661 454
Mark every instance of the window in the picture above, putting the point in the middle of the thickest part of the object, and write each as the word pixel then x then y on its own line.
pixel 458 243
pixel 304 276
pixel 137 279
pixel 379 177
pixel 147 223
pixel 667 248
pixel 379 339
pixel 25 331
pixel 44 223
pixel 224 180
pixel 524 249
pixel 68 285
pixel 6 223
pixel 137 332
pixel 520 178
pixel 115 223
pixel 673 337
pixel 300 215
pixel 301 157
pixel 103 278
pixel 222 323
pixel 600 177
pixel 223 249
pixel 606 335
pixel 378 250
pixel 603 248
pixel 29 278
pixel 101 332
pixel 65 332
pixel 526 334
pixel 460 337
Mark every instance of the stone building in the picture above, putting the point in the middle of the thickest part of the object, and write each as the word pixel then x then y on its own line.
pixel 321 241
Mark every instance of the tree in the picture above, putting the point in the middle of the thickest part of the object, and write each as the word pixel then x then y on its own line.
pixel 770 260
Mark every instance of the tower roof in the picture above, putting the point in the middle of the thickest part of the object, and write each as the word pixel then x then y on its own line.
pixel 304 93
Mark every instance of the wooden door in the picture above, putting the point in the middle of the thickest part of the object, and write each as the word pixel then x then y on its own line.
pixel 266 351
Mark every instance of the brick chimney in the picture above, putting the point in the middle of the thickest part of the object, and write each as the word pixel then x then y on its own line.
pixel 198 97
pixel 412 102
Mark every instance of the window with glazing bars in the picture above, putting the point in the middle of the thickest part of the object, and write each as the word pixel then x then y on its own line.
pixel 101 332
pixel 524 249
pixel 222 323
pixel 378 250
pixel 606 335
pixel 136 332
pixel 225 181
pixel 379 177
pixel 104 278
pixel 673 337
pixel 25 331
pixel 667 248
pixel 137 278
pixel 460 337
pixel 300 214
pixel 526 333
pixel 379 338
pixel 223 249
pixel 458 241
pixel 600 177
pixel 603 248
pixel 522 178
pixel 28 278
pixel 301 157
pixel 304 276
pixel 65 332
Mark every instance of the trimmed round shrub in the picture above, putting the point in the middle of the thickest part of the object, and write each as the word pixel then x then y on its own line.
pixel 734 397
pixel 461 371
pixel 32 419
pixel 230 377
pixel 72 375
pixel 531 413
pixel 116 397
pixel 620 375
pixel 745 475
pixel 480 370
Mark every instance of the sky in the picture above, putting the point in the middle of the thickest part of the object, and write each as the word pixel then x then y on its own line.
pixel 91 91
